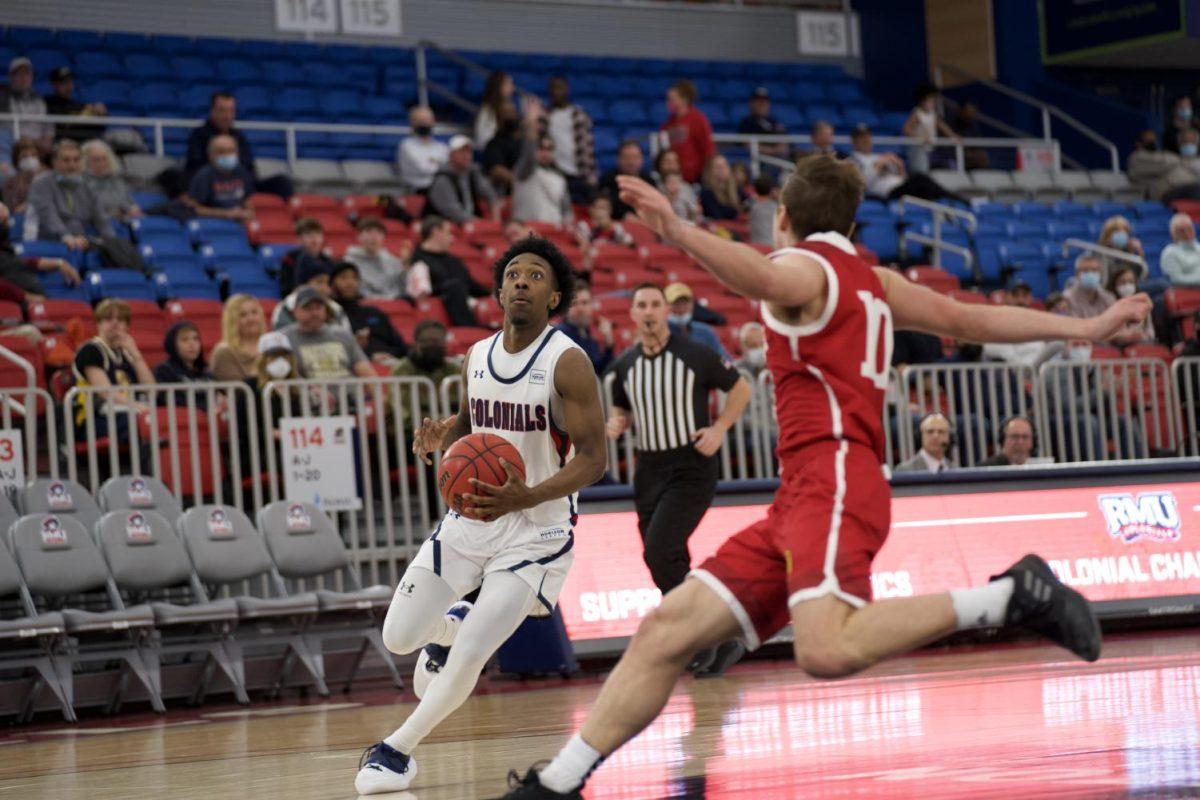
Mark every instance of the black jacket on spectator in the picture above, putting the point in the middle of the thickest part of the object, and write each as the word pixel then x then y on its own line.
pixel 503 150
pixel 382 337
pixel 913 347
pixel 452 282
pixel 713 208
pixel 608 188
pixel 173 370
pixel 69 107
pixel 289 267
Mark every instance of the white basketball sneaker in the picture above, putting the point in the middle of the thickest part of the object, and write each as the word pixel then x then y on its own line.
pixel 433 656
pixel 383 768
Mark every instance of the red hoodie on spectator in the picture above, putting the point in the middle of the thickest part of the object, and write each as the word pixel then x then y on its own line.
pixel 690 136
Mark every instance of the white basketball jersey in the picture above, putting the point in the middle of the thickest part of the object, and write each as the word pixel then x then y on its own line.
pixel 512 395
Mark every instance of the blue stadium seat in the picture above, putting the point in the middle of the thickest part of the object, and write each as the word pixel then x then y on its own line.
pixel 826 113
pixel 154 247
pixel 123 283
pixel 244 268
pixel 32 37
pixel 155 99
pixel 180 265
pixel 192 68
pixel 296 101
pixel 1069 208
pixel 1109 208
pixel 46 59
pixel 988 255
pixel 216 250
pixel 282 72
pixel 205 229
pixel 109 92
pixel 342 104
pixel 1030 209
pixel 94 65
pixel 168 289
pixel 790 116
pixel 1027 230
pixel 128 43
pixel 801 92
pixel 1071 228
pixel 239 71
pixel 146 67
pixel 1027 256
pixel 1039 280
pixel 40 249
pixel 892 121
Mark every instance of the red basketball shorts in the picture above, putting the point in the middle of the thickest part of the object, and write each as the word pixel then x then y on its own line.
pixel 830 517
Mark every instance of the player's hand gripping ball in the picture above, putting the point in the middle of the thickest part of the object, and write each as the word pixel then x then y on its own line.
pixel 475 456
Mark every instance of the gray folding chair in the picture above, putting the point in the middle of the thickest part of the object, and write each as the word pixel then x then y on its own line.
pixel 31 640
pixel 64 571
pixel 372 176
pixel 149 565
pixel 141 169
pixel 1118 186
pixel 140 492
pixel 60 497
pixel 8 512
pixel 313 174
pixel 231 560
pixel 310 555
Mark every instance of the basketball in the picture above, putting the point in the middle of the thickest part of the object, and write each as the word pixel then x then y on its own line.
pixel 476 455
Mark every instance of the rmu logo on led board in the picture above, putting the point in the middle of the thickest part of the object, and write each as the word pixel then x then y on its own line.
pixel 1149 515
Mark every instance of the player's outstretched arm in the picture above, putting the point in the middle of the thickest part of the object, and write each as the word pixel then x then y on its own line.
pixel 918 308
pixel 441 433
pixel 575 381
pixel 790 281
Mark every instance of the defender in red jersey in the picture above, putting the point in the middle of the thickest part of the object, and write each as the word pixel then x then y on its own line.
pixel 829 319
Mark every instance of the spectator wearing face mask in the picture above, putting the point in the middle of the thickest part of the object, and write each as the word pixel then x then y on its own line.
pixel 420 155
pixel 28 162
pixel 1181 258
pixel 1189 149
pixel 681 322
pixel 62 207
pixel 1088 297
pixel 1122 282
pixel 1117 233
pixel 754 349
pixel 1161 174
pixel 1180 121
pixel 426 358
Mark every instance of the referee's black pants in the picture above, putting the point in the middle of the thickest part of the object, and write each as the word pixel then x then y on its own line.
pixel 671 490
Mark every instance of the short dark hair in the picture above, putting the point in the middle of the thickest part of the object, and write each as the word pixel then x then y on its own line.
pixel 924 90
pixel 431 224
pixel 648 285
pixel 763 185
pixel 425 325
pixel 309 225
pixel 860 130
pixel 219 95
pixel 818 124
pixel 564 276
pixel 822 195
pixel 581 285
pixel 629 143
pixel 685 89
pixel 368 224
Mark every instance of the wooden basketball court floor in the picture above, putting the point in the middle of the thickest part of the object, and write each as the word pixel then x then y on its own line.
pixel 1008 721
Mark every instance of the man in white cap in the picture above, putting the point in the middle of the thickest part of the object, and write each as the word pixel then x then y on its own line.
pixel 20 98
pixel 458 187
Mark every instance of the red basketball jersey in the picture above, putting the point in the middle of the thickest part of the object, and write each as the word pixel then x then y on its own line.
pixel 831 374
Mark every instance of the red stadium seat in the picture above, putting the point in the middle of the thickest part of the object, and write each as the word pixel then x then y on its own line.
pixel 271 229
pixel 204 314
pixel 334 223
pixel 488 312
pixel 432 308
pixel 414 204
pixel 55 314
pixel 262 200
pixel 338 243
pixel 615 257
pixel 459 339
pixel 1103 352
pixel 268 305
pixel 640 233
pixel 934 277
pixel 362 205
pixel 1182 301
pixel 11 374
pixel 1189 207
pixel 1150 350
pixel 306 205
pixel 145 313
pixel 11 313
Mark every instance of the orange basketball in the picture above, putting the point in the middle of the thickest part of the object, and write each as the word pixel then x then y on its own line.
pixel 475 455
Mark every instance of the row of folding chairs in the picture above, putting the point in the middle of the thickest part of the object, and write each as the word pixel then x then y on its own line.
pixel 134 581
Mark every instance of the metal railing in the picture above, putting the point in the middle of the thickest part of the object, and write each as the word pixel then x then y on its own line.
pixel 1185 392
pixel 1047 110
pixel 941 213
pixel 30 412
pixel 754 143
pixel 1107 252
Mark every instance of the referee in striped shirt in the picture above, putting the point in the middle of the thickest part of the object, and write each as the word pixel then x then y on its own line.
pixel 661 389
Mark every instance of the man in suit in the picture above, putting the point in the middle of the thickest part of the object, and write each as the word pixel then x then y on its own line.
pixel 936 434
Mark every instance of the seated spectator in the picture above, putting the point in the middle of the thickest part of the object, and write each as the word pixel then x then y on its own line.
pixel 687 131
pixel 570 127
pixel 515 230
pixel 311 275
pixel 759 122
pixel 61 101
pixel 22 271
pixel 741 177
pixel 438 272
pixel 1031 354
pixel 110 359
pixel 924 125
pixel 599 226
pixel 915 347
pixel 965 123
pixel 1192 346
pixel 18 97
pixel 311 234
pixel 934 455
pixel 720 196
pixel 501 154
pixel 763 209
pixel 1088 297
pixel 753 346
pixel 276 361
pixel 102 174
pixel 427 359
pixel 1117 233
pixel 242 324
pixel 1122 282
pixel 62 208
pixel 682 197
pixel 885 175
pixel 1180 121
pixel 683 304
pixel 459 186
pixel 577 325
pixel 498 89
pixel 222 189
pixel 27 161
pixel 381 272
pixel 1162 175
pixel 629 162
pixel 185 364
pixel 222 112
pixel 1056 303
pixel 324 350
pixel 372 329
pixel 420 156
pixel 1189 150
pixel 821 138
pixel 540 192
pixel 1016 444
pixel 1181 258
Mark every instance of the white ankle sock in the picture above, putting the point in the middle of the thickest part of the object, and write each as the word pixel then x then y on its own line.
pixel 571 767
pixel 982 606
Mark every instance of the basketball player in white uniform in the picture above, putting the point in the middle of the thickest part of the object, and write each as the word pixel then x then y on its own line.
pixel 536 388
